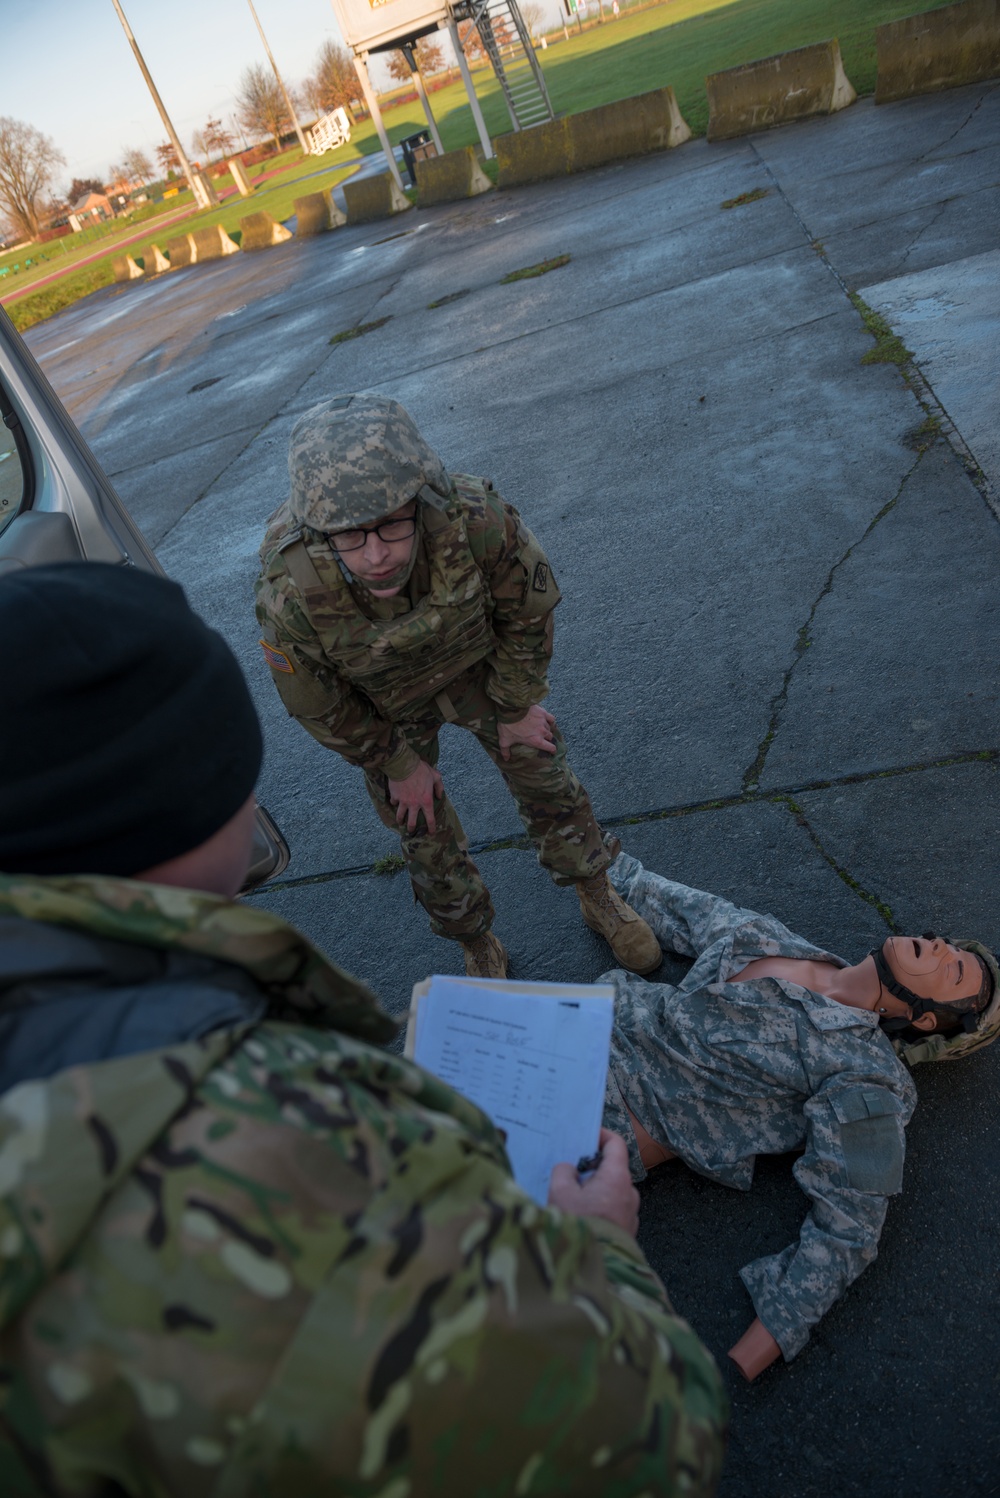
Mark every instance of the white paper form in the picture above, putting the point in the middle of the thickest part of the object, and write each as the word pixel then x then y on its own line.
pixel 534 1057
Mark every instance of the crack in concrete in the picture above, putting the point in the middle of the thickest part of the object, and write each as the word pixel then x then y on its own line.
pixel 854 885
pixel 967 121
pixel 921 232
pixel 783 794
pixel 803 640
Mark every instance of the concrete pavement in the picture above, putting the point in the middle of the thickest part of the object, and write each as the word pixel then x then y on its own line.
pixel 776 661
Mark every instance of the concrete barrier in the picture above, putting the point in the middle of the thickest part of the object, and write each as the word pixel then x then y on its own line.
pixel 240 177
pixel 629 127
pixel 939 49
pixel 258 231
pixel 315 213
pixel 373 198
pixel 124 268
pixel 155 261
pixel 213 243
pixel 533 155
pixel 182 251
pixel 451 177
pixel 775 90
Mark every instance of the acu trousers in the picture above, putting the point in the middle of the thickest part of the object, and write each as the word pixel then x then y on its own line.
pixel 550 800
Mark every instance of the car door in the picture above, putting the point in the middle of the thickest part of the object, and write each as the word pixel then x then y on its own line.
pixel 58 505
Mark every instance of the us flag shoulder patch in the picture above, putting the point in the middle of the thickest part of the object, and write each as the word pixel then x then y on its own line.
pixel 277 659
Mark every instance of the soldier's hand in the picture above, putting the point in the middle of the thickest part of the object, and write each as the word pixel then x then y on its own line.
pixel 416 794
pixel 607 1193
pixel 534 729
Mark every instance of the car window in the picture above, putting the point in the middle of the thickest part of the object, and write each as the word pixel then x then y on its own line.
pixel 11 477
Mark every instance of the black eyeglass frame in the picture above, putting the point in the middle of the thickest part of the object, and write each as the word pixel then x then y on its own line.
pixel 364 531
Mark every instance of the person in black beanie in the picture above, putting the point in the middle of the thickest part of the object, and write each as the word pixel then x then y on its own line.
pixel 129 735
pixel 231 1225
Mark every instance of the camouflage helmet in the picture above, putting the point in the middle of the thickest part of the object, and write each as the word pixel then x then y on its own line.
pixel 959 1043
pixel 356 458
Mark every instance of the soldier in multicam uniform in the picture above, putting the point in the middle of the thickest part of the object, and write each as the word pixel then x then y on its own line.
pixel 244 1250
pixel 394 597
pixel 771 1044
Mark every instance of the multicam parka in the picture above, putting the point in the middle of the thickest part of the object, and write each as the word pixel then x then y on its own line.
pixel 245 1251
pixel 724 1071
pixel 352 668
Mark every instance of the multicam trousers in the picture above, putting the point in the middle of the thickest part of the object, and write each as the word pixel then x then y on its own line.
pixel 550 800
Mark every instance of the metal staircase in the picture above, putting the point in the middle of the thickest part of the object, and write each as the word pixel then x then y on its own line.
pixel 507 43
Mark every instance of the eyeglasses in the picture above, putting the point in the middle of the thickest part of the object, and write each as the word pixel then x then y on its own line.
pixel 386 530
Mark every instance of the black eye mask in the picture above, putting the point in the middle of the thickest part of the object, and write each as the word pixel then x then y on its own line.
pixel 965 1008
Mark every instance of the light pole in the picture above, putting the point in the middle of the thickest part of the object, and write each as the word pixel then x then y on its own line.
pixel 284 92
pixel 204 194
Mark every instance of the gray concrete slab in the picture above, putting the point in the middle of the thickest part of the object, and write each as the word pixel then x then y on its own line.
pixel 950 317
pixel 885 679
pixel 929 236
pixel 909 840
pixel 740 521
pixel 160 492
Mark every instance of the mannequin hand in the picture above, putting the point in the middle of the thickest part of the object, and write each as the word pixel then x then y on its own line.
pixel 416 794
pixel 608 1193
pixel 755 1351
pixel 534 729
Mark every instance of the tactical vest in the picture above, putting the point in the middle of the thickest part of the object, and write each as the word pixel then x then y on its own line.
pixel 400 663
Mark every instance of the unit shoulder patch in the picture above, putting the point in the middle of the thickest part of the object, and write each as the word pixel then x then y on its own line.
pixel 541 578
pixel 277 659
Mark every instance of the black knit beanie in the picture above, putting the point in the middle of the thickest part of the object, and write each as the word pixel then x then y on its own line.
pixel 127 734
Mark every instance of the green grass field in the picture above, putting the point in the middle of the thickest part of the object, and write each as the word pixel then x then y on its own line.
pixel 677 42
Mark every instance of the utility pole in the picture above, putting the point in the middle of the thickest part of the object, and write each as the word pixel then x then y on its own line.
pixel 204 194
pixel 284 92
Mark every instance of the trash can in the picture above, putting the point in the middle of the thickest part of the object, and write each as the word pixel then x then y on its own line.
pixel 416 148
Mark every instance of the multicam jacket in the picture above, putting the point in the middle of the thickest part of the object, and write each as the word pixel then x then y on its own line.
pixel 353 669
pixel 722 1072
pixel 244 1251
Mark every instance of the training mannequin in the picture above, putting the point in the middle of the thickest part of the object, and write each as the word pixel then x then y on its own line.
pixel 767 1047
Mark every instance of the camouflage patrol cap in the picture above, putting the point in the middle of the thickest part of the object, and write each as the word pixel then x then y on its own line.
pixel 956 1044
pixel 355 458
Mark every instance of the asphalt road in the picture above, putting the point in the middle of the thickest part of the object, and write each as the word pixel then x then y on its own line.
pixel 776 661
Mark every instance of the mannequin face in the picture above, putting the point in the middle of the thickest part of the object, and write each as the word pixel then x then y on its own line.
pixel 933 969
pixel 379 558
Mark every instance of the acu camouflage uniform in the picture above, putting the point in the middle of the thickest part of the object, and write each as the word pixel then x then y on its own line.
pixel 244 1251
pixel 721 1072
pixel 467 641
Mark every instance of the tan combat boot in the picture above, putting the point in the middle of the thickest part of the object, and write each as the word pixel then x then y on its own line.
pixel 626 933
pixel 485 956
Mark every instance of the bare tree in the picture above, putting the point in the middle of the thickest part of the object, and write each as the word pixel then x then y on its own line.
pixel 137 165
pixel 430 59
pixel 260 105
pixel 167 157
pixel 472 42
pixel 334 82
pixel 218 140
pixel 28 160
pixel 534 17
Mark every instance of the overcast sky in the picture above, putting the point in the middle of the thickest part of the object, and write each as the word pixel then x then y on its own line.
pixel 69 70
